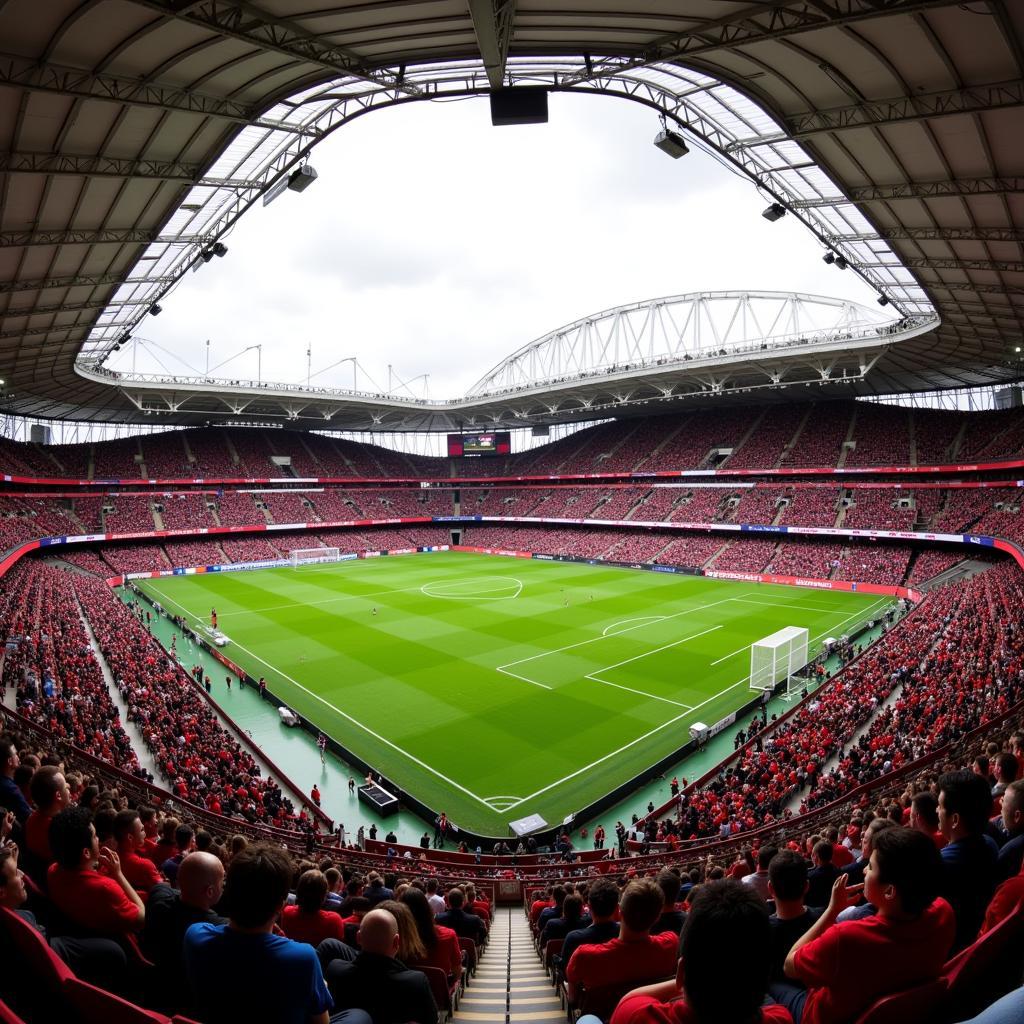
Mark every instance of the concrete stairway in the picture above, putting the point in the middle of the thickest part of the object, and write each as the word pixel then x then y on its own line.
pixel 510 984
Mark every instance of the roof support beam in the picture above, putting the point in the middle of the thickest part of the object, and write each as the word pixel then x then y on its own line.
pixel 248 24
pixel 81 281
pixel 26 332
pixel 930 263
pixel 492 23
pixel 893 111
pixel 107 166
pixel 917 190
pixel 766 21
pixel 68 307
pixel 66 81
pixel 106 236
pixel 934 235
pixel 978 289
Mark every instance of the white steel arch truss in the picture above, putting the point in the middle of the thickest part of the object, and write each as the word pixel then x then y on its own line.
pixel 731 125
pixel 681 328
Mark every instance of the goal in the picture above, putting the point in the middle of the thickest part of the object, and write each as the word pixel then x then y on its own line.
pixel 311 556
pixel 778 658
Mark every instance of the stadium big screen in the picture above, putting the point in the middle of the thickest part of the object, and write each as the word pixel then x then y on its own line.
pixel 495 443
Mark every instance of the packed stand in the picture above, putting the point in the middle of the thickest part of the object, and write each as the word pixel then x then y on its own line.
pixel 881 436
pixel 812 506
pixel 192 553
pixel 935 431
pixel 124 558
pixel 815 559
pixel 821 441
pixel 187 512
pixel 211 458
pixel 117 459
pixel 237 509
pixel 164 456
pixel 132 513
pixel 50 663
pixel 201 762
pixel 704 505
pixel 287 507
pixel 874 563
pixel 748 555
pixel 764 448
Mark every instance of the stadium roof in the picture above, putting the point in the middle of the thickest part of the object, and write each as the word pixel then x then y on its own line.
pixel 135 132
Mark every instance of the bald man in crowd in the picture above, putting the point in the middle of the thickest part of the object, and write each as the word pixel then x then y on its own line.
pixel 378 983
pixel 170 913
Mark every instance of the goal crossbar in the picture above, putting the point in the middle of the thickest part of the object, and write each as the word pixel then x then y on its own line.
pixel 312 556
pixel 778 657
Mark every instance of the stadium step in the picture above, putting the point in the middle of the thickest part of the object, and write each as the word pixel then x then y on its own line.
pixel 510 984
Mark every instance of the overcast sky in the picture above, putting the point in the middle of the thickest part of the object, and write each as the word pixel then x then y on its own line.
pixel 439 244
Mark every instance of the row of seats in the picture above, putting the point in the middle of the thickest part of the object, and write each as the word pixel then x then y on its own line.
pixel 854 434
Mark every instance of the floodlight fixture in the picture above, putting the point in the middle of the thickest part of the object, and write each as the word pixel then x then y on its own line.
pixel 672 143
pixel 220 249
pixel 301 178
pixel 156 309
pixel 883 300
pixel 774 212
pixel 829 257
pixel 841 263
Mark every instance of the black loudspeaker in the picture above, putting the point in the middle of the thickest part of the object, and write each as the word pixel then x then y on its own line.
pixel 524 104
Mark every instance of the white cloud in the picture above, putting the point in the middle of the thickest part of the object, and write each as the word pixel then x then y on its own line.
pixel 438 244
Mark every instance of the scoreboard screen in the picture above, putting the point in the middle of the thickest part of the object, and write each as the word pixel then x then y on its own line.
pixel 497 442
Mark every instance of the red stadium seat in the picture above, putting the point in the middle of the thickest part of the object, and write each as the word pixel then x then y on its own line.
pixel 987 969
pixel 30 964
pixel 8 1016
pixel 914 1006
pixel 444 994
pixel 97 1006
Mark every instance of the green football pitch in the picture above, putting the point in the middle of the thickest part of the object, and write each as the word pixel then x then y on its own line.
pixel 493 687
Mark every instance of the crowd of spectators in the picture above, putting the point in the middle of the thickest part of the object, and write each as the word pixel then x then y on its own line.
pixel 131 513
pixel 748 555
pixel 198 759
pixel 764 447
pixel 50 664
pixel 237 509
pixel 881 436
pixel 187 512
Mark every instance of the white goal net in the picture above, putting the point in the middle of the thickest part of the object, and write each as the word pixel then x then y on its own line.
pixel 312 556
pixel 778 657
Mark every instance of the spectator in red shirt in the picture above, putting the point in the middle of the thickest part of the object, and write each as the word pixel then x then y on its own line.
pixel 723 968
pixel 635 954
pixel 131 840
pixel 50 794
pixel 846 966
pixel 101 901
pixel 441 944
pixel 307 921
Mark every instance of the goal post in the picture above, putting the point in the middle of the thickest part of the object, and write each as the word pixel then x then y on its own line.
pixel 313 556
pixel 777 658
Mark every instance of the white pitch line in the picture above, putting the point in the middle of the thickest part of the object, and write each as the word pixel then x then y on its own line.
pixel 818 637
pixel 356 722
pixel 595 639
pixel 784 604
pixel 675 643
pixel 639 693
pixel 525 679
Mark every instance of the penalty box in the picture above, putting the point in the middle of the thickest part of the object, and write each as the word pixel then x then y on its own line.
pixel 651 656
